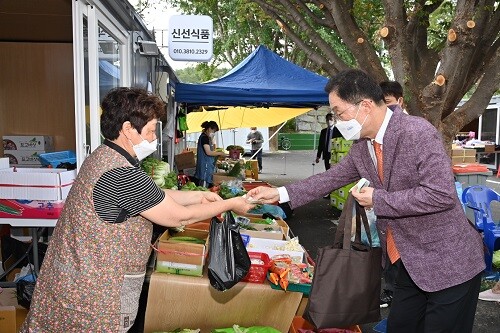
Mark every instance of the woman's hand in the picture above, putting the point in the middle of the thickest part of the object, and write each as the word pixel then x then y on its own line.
pixel 210 197
pixel 240 205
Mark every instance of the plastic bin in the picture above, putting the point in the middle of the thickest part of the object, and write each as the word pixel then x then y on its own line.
pixel 54 159
pixel 258 272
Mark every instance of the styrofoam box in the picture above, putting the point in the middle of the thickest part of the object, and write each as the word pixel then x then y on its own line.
pixel 4 163
pixel 36 184
pixel 28 142
pixel 268 246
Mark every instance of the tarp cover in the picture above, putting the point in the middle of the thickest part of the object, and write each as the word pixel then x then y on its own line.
pixel 262 79
pixel 235 117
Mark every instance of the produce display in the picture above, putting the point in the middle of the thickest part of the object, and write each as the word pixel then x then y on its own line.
pixel 160 172
pixel 231 189
pixel 190 186
pixel 284 271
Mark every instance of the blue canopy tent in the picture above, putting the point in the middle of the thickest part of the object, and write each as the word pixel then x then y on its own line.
pixel 262 79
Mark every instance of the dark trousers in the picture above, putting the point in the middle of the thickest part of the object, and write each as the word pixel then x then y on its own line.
pixel 390 274
pixel 327 157
pixel 449 310
pixel 259 157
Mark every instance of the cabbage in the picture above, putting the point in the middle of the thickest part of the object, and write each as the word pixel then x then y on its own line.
pixel 159 180
pixel 153 166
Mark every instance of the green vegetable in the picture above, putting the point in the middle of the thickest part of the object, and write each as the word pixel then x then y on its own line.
pixel 235 171
pixel 153 166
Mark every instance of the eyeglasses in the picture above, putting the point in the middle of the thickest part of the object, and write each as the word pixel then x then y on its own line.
pixel 337 115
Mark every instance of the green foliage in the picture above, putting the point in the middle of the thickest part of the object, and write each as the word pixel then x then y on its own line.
pixel 200 73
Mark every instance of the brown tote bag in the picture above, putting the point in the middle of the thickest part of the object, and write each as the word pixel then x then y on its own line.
pixel 345 289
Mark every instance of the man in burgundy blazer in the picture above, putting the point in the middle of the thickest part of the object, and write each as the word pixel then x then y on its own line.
pixel 441 254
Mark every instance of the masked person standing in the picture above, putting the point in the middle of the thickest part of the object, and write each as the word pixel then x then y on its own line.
pixel 420 221
pixel 256 139
pixel 206 156
pixel 92 274
pixel 325 140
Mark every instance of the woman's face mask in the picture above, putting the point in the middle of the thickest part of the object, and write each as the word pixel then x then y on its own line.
pixel 144 148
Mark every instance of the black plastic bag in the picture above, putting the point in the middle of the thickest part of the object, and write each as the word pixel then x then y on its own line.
pixel 228 260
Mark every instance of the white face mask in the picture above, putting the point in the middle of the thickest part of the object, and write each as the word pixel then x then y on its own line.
pixel 350 129
pixel 253 131
pixel 211 134
pixel 144 148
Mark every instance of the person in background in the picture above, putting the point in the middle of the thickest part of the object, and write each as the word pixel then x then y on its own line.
pixel 393 94
pixel 420 220
pixel 256 139
pixel 393 97
pixel 325 140
pixel 491 295
pixel 206 155
pixel 92 274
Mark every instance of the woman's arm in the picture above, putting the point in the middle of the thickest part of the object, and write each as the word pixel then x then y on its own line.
pixel 211 152
pixel 186 198
pixel 169 213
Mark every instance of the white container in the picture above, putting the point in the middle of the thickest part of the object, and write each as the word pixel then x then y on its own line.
pixel 28 142
pixel 4 163
pixel 36 184
pixel 269 247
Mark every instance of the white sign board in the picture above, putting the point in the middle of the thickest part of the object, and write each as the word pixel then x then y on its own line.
pixel 190 38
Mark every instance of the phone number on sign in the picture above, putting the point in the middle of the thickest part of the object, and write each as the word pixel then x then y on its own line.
pixel 190 51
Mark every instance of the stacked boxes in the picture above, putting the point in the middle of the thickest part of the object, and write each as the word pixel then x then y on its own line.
pixel 24 150
pixel 340 148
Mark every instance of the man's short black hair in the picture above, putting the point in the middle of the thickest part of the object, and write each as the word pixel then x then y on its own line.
pixel 392 88
pixel 354 85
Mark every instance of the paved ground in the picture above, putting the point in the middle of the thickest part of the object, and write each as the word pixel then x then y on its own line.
pixel 315 227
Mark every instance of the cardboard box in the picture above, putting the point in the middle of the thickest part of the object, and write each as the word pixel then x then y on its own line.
pixel 344 190
pixel 31 209
pixel 219 178
pixel 185 160
pixel 270 247
pixel 36 184
pixel 463 159
pixel 182 258
pixel 12 315
pixel 340 156
pixel 272 232
pixel 183 301
pixel 24 157
pixel 489 148
pixel 28 142
pixel 463 152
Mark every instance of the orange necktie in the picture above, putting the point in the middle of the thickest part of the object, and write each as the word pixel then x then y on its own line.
pixel 392 251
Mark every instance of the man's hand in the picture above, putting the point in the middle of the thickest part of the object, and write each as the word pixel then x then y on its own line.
pixel 364 197
pixel 317 160
pixel 264 194
pixel 209 197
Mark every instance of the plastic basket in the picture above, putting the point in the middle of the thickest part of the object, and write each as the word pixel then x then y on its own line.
pixel 258 272
pixel 54 159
